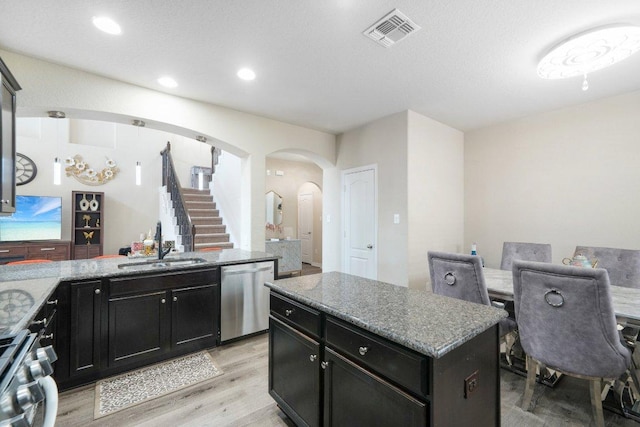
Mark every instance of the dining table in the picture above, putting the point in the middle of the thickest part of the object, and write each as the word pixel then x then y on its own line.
pixel 626 301
pixel 626 305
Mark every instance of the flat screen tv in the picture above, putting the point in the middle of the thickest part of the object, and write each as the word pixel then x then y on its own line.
pixel 35 218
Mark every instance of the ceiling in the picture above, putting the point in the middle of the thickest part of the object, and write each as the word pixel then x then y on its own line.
pixel 471 65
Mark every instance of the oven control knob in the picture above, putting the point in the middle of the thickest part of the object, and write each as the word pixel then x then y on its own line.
pixel 29 394
pixel 47 353
pixel 40 369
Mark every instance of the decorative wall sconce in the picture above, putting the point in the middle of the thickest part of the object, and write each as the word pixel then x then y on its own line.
pixel 80 170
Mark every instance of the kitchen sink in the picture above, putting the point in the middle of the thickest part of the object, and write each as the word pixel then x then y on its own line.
pixel 175 262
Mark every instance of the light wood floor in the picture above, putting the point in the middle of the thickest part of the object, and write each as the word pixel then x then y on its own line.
pixel 239 397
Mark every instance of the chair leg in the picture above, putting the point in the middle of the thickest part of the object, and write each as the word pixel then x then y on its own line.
pixel 509 341
pixel 595 387
pixel 530 384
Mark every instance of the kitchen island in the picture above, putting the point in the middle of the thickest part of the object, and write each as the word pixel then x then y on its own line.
pixel 344 350
pixel 105 316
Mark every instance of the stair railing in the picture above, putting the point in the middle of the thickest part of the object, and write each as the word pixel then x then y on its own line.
pixel 170 179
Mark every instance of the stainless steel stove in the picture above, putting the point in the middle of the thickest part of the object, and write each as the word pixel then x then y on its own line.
pixel 28 394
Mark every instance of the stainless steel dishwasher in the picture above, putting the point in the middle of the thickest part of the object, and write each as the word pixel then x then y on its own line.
pixel 244 302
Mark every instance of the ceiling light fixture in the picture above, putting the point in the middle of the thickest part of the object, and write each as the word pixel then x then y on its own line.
pixel 56 114
pixel 589 51
pixel 167 82
pixel 246 74
pixel 107 25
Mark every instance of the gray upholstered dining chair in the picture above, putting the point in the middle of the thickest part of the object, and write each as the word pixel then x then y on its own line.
pixel 460 276
pixel 567 323
pixel 623 265
pixel 525 251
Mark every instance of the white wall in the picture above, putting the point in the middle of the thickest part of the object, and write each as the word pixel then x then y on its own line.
pixel 435 193
pixel 567 177
pixel 128 209
pixel 226 191
pixel 47 86
pixel 382 142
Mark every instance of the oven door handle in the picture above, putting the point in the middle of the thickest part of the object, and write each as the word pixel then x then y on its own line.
pixel 50 401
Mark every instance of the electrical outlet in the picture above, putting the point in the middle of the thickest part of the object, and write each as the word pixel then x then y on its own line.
pixel 471 384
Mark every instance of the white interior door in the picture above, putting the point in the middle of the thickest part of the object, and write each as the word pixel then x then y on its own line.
pixel 305 226
pixel 359 208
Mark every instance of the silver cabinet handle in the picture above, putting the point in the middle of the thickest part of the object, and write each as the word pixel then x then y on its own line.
pixel 162 301
pixel 47 337
pixel 97 291
pixel 175 299
pixel 324 365
pixel 39 322
pixel 47 249
pixel 369 246
pixel 4 251
pixel 54 302
pixel 363 350
pixel 288 312
pixel 313 357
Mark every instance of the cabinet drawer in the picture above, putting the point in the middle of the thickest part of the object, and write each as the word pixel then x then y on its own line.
pixel 405 368
pixel 53 251
pixel 11 251
pixel 296 314
pixel 159 282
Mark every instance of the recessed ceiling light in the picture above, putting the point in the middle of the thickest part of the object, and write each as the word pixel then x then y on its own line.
pixel 167 82
pixel 246 74
pixel 107 25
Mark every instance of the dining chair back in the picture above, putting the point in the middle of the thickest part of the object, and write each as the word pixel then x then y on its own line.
pixel 623 265
pixel 525 251
pixel 566 321
pixel 460 276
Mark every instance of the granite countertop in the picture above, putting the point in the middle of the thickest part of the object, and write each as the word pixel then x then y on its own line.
pixel 25 288
pixel 420 320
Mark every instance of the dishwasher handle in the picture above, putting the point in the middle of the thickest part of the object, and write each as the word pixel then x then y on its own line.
pixel 245 271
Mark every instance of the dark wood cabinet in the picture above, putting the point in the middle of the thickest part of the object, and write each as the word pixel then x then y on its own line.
pixel 111 325
pixel 87 224
pixel 193 317
pixel 294 373
pixel 137 328
pixel 84 327
pixel 325 371
pixel 155 316
pixel 355 396
pixel 54 250
pixel 8 88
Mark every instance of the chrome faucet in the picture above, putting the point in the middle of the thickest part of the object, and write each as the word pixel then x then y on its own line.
pixel 161 253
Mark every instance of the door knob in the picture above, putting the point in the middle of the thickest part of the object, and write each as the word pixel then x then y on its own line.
pixel 369 246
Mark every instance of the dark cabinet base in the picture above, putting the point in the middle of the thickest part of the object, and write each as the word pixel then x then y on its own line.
pixel 294 373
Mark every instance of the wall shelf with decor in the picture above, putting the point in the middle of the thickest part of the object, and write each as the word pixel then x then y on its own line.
pixel 87 224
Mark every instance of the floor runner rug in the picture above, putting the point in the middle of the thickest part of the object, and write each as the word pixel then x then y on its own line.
pixel 132 388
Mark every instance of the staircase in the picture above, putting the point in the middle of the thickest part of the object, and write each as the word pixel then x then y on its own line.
pixel 209 230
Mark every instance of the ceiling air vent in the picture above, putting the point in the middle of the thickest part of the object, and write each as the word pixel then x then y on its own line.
pixel 392 28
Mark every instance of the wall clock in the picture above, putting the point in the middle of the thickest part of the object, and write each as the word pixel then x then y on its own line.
pixel 26 169
pixel 14 304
